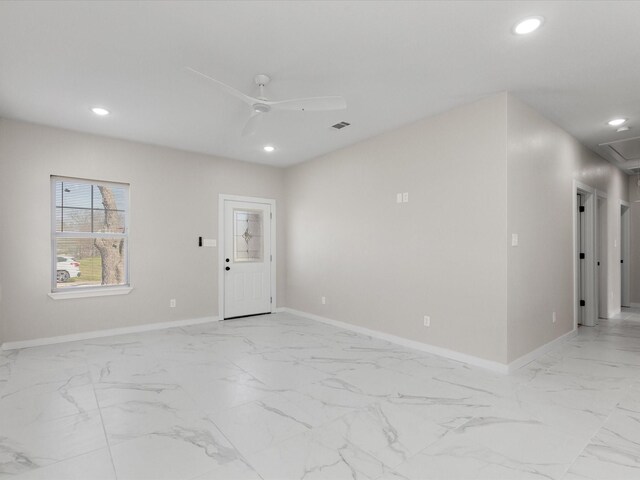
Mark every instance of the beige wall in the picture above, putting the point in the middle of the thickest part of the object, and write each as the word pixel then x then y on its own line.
pixel 174 199
pixel 383 265
pixel 543 161
pixel 447 252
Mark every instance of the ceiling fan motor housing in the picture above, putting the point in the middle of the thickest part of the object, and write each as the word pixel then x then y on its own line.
pixel 262 79
pixel 261 108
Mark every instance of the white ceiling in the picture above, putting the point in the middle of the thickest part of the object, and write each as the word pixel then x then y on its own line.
pixel 394 62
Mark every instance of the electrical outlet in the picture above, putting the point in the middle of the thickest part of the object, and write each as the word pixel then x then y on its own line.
pixel 514 240
pixel 427 321
pixel 172 303
pixel 399 198
pixel 553 317
pixel 405 197
pixel 324 300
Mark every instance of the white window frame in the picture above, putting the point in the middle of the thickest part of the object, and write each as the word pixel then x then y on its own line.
pixel 90 290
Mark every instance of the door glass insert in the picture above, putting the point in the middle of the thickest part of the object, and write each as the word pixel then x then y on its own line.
pixel 247 236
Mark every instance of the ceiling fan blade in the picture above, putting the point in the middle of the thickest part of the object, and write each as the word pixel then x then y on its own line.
pixel 252 124
pixel 312 104
pixel 230 90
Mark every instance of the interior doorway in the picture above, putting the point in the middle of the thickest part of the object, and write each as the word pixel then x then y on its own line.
pixel 601 260
pixel 585 292
pixel 582 283
pixel 246 257
pixel 624 254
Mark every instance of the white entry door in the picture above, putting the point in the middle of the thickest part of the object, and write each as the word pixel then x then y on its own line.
pixel 247 258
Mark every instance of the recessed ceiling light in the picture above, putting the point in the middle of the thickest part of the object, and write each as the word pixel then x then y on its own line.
pixel 268 148
pixel 528 25
pixel 100 111
pixel 622 129
pixel 616 121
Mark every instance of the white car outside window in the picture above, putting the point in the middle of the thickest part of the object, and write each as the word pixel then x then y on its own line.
pixel 67 268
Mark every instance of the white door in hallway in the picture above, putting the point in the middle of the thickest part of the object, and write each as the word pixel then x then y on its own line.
pixel 247 258
pixel 582 285
pixel 624 256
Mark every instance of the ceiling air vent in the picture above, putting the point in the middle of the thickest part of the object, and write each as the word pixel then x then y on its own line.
pixel 340 125
pixel 624 150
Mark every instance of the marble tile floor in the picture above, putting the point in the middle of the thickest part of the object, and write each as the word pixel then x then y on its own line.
pixel 282 397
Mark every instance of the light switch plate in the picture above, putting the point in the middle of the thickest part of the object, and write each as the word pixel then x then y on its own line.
pixel 514 239
pixel 405 197
pixel 399 198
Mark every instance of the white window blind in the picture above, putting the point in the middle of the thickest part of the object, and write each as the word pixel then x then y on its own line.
pixel 89 236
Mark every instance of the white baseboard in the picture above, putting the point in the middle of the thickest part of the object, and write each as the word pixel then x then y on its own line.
pixel 538 352
pixel 423 347
pixel 37 342
pixel 443 352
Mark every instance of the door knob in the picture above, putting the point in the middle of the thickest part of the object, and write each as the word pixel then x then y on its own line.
pixel 227 260
pixel 228 268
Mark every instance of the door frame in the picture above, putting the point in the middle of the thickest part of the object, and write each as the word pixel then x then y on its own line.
pixel 625 237
pixel 602 253
pixel 221 246
pixel 590 193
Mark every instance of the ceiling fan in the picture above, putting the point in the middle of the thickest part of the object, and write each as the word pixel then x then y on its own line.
pixel 260 105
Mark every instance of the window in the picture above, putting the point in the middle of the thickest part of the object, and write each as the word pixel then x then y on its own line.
pixel 247 235
pixel 89 234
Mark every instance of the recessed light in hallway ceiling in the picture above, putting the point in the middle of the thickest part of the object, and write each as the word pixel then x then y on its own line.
pixel 616 122
pixel 528 25
pixel 100 111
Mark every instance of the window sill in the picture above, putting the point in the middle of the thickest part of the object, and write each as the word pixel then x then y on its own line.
pixel 102 292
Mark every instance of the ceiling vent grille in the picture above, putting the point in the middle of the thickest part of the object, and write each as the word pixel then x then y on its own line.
pixel 624 150
pixel 340 125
